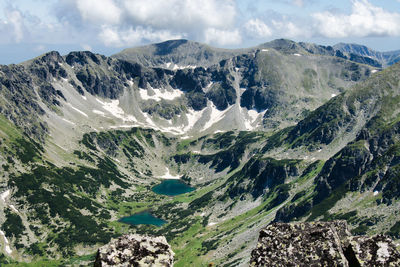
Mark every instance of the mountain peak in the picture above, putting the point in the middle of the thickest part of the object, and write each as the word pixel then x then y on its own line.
pixel 176 54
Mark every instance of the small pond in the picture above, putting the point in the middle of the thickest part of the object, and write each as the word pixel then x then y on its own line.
pixel 172 187
pixel 142 218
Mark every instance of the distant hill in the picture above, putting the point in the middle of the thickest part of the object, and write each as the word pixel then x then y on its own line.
pixel 180 54
pixel 355 50
pixel 177 54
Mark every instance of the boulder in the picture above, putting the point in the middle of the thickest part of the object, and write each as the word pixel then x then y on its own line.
pixel 321 244
pixel 135 250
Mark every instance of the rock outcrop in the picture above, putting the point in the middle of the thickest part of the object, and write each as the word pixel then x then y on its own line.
pixel 135 250
pixel 321 244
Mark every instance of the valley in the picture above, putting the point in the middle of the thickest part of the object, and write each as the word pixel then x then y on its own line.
pixel 281 132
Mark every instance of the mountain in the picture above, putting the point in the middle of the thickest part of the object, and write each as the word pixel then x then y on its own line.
pixel 180 54
pixel 283 132
pixel 177 54
pixel 354 51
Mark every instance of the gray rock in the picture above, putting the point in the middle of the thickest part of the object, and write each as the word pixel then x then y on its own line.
pixel 321 244
pixel 135 250
pixel 378 250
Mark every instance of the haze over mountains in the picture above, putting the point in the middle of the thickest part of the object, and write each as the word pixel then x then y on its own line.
pixel 280 132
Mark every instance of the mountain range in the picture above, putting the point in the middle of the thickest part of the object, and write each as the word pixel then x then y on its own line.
pixel 283 131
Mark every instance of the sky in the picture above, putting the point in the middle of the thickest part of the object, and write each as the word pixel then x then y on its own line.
pixel 29 28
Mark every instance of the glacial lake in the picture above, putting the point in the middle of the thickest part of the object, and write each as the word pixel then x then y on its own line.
pixel 142 218
pixel 172 187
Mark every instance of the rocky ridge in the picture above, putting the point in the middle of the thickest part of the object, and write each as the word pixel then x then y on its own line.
pixel 135 250
pixel 321 244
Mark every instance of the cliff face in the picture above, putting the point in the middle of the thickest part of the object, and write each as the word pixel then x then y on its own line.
pixel 135 250
pixel 321 244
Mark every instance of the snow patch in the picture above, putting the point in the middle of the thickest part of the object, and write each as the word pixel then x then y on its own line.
pixel 202 214
pixel 13 208
pixel 78 110
pixel 376 193
pixel 253 114
pixel 250 117
pixel 6 247
pixel 4 195
pixel 383 252
pixel 149 121
pixel 264 50
pixel 177 67
pixel 297 55
pixel 374 71
pixel 192 117
pixel 215 116
pixel 168 175
pixel 333 95
pixel 160 94
pixel 114 109
pixel 70 122
pixel 84 97
pixel 212 223
pixel 123 126
pixel 98 112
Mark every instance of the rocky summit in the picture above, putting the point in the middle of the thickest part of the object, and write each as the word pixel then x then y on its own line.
pixel 135 250
pixel 321 244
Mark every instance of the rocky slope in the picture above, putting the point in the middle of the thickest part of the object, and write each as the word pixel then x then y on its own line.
pixel 287 131
pixel 135 250
pixel 321 244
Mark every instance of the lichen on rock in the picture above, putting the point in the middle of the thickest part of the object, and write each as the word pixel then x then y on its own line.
pixel 321 244
pixel 135 250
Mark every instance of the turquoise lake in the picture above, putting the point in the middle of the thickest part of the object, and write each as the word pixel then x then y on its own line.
pixel 172 188
pixel 142 218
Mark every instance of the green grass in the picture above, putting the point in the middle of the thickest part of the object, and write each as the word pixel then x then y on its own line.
pixel 74 261
pixel 189 247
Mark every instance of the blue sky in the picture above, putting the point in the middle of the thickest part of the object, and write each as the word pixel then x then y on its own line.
pixel 29 28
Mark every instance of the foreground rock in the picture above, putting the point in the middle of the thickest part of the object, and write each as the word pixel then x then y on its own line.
pixel 135 250
pixel 321 244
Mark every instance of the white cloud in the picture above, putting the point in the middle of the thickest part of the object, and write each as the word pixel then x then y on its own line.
pixel 299 3
pixel 130 22
pixel 96 11
pixel 15 19
pixel 364 20
pixel 110 36
pixel 257 28
pixel 289 29
pixel 40 48
pixel 113 36
pixel 222 37
pixel 182 14
pixel 86 47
